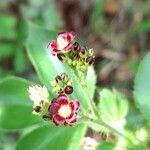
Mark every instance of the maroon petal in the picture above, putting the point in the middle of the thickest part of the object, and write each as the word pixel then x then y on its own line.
pixel 72 120
pixel 69 36
pixel 53 108
pixel 62 34
pixel 53 46
pixel 75 105
pixel 62 99
pixel 71 115
pixel 58 120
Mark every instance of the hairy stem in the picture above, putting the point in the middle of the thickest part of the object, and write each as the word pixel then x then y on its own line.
pixel 97 123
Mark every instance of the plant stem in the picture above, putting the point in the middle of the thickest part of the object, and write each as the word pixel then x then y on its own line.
pixel 90 121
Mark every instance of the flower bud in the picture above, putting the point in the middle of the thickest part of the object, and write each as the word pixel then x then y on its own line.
pixel 90 60
pixel 83 49
pixel 68 89
pixel 37 109
pixel 60 56
pixel 76 46
pixel 64 76
pixel 46 117
pixel 58 78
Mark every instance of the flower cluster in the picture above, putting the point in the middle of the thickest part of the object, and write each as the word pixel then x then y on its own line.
pixel 60 110
pixel 62 84
pixel 39 95
pixel 77 56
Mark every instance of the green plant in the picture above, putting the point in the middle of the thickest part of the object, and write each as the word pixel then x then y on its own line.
pixel 108 115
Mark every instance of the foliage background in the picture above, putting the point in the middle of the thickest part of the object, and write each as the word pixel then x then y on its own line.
pixel 117 30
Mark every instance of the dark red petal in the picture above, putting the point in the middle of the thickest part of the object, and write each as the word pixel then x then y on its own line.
pixel 71 104
pixel 72 120
pixel 53 108
pixel 62 33
pixel 62 99
pixel 60 95
pixel 55 50
pixel 53 46
pixel 72 35
pixel 58 120
pixel 70 116
pixel 75 105
pixel 69 36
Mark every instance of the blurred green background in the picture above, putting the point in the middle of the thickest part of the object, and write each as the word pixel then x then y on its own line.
pixel 117 30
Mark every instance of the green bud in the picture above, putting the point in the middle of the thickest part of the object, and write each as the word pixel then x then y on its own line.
pixel 90 52
pixel 69 82
pixel 53 83
pixel 74 63
pixel 83 68
pixel 69 61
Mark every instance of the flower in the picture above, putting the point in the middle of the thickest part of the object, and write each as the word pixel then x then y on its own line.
pixel 63 110
pixel 38 94
pixel 63 43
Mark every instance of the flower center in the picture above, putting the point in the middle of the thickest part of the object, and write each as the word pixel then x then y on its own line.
pixel 62 43
pixel 64 111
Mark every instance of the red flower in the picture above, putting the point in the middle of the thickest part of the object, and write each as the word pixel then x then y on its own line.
pixel 63 110
pixel 63 43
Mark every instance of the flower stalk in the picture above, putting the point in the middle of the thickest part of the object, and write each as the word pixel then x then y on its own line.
pixel 61 110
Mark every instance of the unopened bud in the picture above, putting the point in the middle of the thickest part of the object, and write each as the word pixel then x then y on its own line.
pixel 64 76
pixel 37 109
pixel 58 78
pixel 76 46
pixel 68 89
pixel 83 49
pixel 90 60
pixel 60 56
pixel 46 117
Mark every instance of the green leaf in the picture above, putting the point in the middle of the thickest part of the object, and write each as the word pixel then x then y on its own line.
pixel 106 146
pixel 134 119
pixel 6 50
pixel 142 87
pixel 52 137
pixel 48 66
pixel 22 29
pixel 91 81
pixel 7 141
pixel 7 26
pixel 113 108
pixel 19 59
pixel 4 73
pixel 15 106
